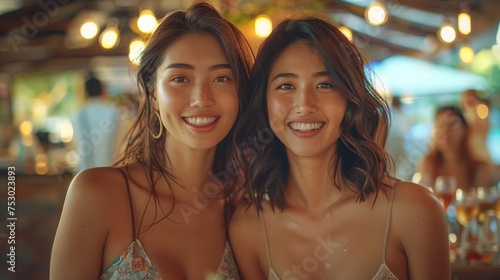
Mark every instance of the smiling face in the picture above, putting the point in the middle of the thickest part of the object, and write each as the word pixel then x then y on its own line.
pixel 196 92
pixel 305 110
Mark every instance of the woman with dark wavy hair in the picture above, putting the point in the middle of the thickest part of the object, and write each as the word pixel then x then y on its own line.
pixel 449 154
pixel 318 201
pixel 161 212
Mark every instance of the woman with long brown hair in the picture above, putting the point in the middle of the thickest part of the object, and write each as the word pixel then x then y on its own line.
pixel 161 212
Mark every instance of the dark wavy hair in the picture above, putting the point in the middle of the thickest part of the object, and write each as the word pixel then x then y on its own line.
pixel 360 159
pixel 140 146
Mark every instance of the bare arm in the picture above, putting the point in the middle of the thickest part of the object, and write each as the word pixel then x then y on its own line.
pixel 82 230
pixel 422 228
pixel 244 233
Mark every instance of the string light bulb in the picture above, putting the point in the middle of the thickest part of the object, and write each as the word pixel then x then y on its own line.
pixel 466 54
pixel 263 26
pixel 147 21
pixel 376 14
pixel 464 20
pixel 110 36
pixel 447 33
pixel 135 50
pixel 89 29
pixel 464 23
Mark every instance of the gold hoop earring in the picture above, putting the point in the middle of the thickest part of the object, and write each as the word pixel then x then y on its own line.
pixel 161 127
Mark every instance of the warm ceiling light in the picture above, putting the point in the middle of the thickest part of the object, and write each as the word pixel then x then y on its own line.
pixel 147 21
pixel 482 111
pixel 466 54
pixel 263 26
pixel 464 25
pixel 376 14
pixel 89 29
pixel 135 50
pixel 26 128
pixel 346 31
pixel 447 33
pixel 109 37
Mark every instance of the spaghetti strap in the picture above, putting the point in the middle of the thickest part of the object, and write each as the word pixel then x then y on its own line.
pixel 387 224
pixel 267 241
pixel 130 203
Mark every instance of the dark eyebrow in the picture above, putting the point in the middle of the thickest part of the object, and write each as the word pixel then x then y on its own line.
pixel 219 66
pixel 321 74
pixel 291 75
pixel 190 67
pixel 284 75
pixel 179 65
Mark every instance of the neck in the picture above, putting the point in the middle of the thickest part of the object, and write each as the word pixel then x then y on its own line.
pixel 310 184
pixel 191 167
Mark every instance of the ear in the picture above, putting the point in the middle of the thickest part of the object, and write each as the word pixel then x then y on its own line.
pixel 154 101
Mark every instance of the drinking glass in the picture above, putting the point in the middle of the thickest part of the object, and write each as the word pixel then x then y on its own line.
pixel 467 209
pixel 487 219
pixel 445 188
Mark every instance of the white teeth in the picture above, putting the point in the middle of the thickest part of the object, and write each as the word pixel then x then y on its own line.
pixel 200 121
pixel 305 126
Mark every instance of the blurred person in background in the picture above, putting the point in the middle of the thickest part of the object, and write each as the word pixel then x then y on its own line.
pixel 476 108
pixel 95 128
pixel 449 154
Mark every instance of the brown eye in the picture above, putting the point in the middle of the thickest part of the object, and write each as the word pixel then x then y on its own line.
pixel 179 79
pixel 221 79
pixel 324 85
pixel 285 87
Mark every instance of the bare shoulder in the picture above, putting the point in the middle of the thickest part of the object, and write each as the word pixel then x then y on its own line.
pixel 95 190
pixel 97 179
pixel 89 212
pixel 419 228
pixel 245 218
pixel 414 196
pixel 245 231
pixel 416 210
pixel 247 241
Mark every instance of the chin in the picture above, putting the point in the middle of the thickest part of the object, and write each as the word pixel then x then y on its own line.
pixel 204 144
pixel 307 153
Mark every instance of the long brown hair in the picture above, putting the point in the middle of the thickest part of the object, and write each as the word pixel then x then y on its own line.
pixel 360 156
pixel 140 146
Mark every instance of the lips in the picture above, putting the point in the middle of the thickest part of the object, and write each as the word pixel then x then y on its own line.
pixel 306 129
pixel 202 123
pixel 305 126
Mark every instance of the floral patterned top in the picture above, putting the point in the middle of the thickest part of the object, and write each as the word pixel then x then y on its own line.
pixel 134 264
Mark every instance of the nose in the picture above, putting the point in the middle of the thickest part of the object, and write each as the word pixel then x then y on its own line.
pixel 201 96
pixel 305 102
